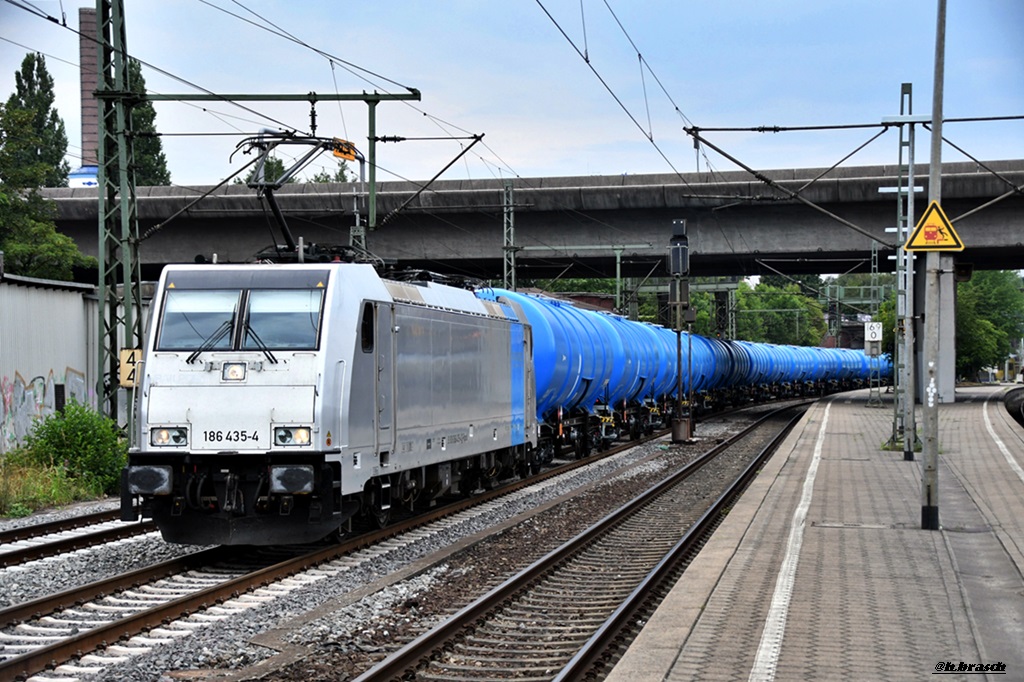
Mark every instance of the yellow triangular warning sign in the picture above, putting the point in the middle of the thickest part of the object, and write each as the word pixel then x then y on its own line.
pixel 934 232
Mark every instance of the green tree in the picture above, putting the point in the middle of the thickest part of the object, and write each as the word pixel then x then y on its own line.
pixel 34 93
pixel 272 170
pixel 808 285
pixel 783 315
pixel 864 279
pixel 28 236
pixel 978 342
pixel 150 161
pixel 989 319
pixel 341 174
pixel 890 325
pixel 602 285
pixel 703 304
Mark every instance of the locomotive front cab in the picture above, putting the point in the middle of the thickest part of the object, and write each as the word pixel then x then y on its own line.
pixel 229 437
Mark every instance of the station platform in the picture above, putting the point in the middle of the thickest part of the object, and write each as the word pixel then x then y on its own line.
pixel 823 572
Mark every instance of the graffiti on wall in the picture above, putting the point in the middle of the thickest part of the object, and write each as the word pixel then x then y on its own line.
pixel 24 401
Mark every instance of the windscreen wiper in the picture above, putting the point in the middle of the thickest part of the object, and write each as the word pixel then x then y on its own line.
pixel 211 340
pixel 250 332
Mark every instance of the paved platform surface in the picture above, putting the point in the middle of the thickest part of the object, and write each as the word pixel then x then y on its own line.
pixel 822 571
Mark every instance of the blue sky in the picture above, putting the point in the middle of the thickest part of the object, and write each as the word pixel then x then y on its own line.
pixel 504 69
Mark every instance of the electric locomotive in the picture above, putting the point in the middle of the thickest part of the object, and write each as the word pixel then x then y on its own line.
pixel 278 401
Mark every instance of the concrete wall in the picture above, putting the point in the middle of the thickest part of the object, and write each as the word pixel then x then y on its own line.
pixel 47 337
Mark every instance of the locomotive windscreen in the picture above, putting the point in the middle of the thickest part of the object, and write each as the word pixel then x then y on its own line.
pixel 195 318
pixel 270 310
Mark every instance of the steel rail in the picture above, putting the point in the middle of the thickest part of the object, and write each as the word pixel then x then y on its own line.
pixel 100 636
pixel 54 547
pixel 31 610
pixel 421 648
pixel 50 527
pixel 691 542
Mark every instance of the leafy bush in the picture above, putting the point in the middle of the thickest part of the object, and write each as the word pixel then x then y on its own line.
pixel 82 443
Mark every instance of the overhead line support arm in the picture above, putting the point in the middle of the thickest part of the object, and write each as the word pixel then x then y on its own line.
pixel 371 99
pixel 790 193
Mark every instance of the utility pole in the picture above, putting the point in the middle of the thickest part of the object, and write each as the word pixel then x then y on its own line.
pixel 904 418
pixel 120 307
pixel 120 310
pixel 509 247
pixel 930 449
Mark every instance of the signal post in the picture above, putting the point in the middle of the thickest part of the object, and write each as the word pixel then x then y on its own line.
pixel 679 268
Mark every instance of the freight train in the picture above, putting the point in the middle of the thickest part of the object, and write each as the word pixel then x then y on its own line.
pixel 279 402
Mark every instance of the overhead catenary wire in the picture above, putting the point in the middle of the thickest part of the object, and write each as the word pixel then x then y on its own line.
pixel 1015 189
pixel 155 68
pixel 219 115
pixel 841 161
pixel 444 125
pixel 262 116
pixel 614 95
pixel 45 54
pixel 159 226
pixel 644 63
pixel 351 67
pixel 789 193
pixel 841 126
pixel 644 67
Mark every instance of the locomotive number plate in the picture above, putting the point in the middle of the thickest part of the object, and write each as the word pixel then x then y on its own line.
pixel 236 436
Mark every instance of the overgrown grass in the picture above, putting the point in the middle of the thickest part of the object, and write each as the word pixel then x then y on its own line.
pixel 25 488
pixel 72 455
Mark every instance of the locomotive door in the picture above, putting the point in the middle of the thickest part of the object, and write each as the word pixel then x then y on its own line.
pixel 384 393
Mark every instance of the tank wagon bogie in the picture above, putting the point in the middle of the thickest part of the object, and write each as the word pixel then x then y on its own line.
pixel 280 401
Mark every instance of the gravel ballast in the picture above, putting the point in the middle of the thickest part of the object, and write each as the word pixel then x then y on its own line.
pixel 352 612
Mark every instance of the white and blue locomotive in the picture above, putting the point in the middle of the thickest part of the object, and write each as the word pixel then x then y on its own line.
pixel 277 402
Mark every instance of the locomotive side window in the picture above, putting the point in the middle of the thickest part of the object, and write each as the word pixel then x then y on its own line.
pixel 367 327
pixel 193 319
pixel 283 319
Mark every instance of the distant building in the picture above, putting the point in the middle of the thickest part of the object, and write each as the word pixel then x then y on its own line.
pixel 86 176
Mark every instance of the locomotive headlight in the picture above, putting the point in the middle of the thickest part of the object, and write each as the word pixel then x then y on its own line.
pixel 291 435
pixel 169 435
pixel 233 371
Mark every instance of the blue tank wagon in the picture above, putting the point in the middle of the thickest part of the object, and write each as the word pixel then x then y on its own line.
pixel 279 401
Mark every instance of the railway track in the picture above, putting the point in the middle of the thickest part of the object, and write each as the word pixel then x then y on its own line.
pixel 38 541
pixel 557 619
pixel 126 614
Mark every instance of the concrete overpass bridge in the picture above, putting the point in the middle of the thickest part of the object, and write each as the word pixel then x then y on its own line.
pixel 800 221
